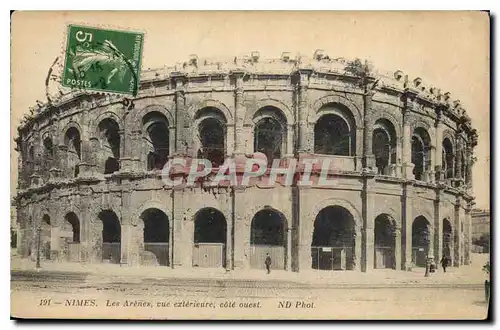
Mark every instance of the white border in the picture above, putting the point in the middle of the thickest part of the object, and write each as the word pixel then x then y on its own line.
pixel 493 5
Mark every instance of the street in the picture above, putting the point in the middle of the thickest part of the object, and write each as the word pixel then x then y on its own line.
pixel 61 294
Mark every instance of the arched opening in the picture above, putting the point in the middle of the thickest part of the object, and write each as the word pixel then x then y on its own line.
pixel 30 164
pixel 209 239
pixel 48 148
pixel 211 135
pixel 48 157
pixel 333 240
pixel 335 131
pixel 73 142
pixel 270 133
pixel 45 237
pixel 71 234
pixel 420 240
pixel 111 236
pixel 448 159
pixel 268 236
pixel 447 238
pixel 384 145
pixel 157 138
pixel 385 243
pixel 420 152
pixel 110 142
pixel 156 237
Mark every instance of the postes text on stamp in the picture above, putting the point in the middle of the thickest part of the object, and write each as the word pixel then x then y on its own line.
pixel 103 60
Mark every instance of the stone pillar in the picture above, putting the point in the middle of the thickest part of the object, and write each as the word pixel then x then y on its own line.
pixel 368 230
pixel 180 114
pixel 230 139
pixel 458 161
pixel 178 245
pixel 458 234
pixel 126 235
pixel 303 223
pixel 304 145
pixel 468 235
pixel 241 231
pixel 288 265
pixel 438 152
pixel 229 244
pixel 397 249
pixel 406 227
pixel 469 166
pixel 55 242
pixel 406 163
pixel 63 160
pixel 368 157
pixel 438 230
pixel 431 174
pixel 239 117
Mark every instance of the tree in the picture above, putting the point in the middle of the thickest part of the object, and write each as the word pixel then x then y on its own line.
pixel 484 242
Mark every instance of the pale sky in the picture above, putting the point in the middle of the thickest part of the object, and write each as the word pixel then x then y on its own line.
pixel 449 50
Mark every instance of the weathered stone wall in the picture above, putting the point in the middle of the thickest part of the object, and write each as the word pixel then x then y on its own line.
pixel 298 93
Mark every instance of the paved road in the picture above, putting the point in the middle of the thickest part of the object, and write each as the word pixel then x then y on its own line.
pixel 252 299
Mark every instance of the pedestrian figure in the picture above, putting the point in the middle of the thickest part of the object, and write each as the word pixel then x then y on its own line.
pixel 268 263
pixel 444 263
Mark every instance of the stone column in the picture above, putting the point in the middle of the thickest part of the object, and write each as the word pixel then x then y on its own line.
pixel 229 244
pixel 63 160
pixel 303 223
pixel 180 115
pixel 239 117
pixel 368 230
pixel 407 164
pixel 468 236
pixel 288 265
pixel 178 244
pixel 368 157
pixel 458 234
pixel 241 231
pixel 55 242
pixel 469 166
pixel 397 249
pixel 406 227
pixel 303 146
pixel 438 230
pixel 438 154
pixel 431 174
pixel 458 161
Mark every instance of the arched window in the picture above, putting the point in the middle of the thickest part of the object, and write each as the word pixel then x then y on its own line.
pixel 384 145
pixel 420 152
pixel 73 142
pixel 157 139
pixel 270 133
pixel 335 131
pixel 48 148
pixel 211 135
pixel 110 142
pixel 448 159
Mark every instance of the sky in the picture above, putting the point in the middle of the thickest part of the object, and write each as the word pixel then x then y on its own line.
pixel 449 50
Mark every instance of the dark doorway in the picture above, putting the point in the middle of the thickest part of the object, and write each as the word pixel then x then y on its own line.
pixel 111 236
pixel 268 236
pixel 333 240
pixel 384 242
pixel 420 240
pixel 156 235
pixel 209 239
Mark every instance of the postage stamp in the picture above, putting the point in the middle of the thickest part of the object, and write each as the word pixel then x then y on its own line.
pixel 103 60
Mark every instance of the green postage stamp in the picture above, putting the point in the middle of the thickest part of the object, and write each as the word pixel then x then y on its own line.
pixel 103 60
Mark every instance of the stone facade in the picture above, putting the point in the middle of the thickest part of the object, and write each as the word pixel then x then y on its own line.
pixel 85 159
